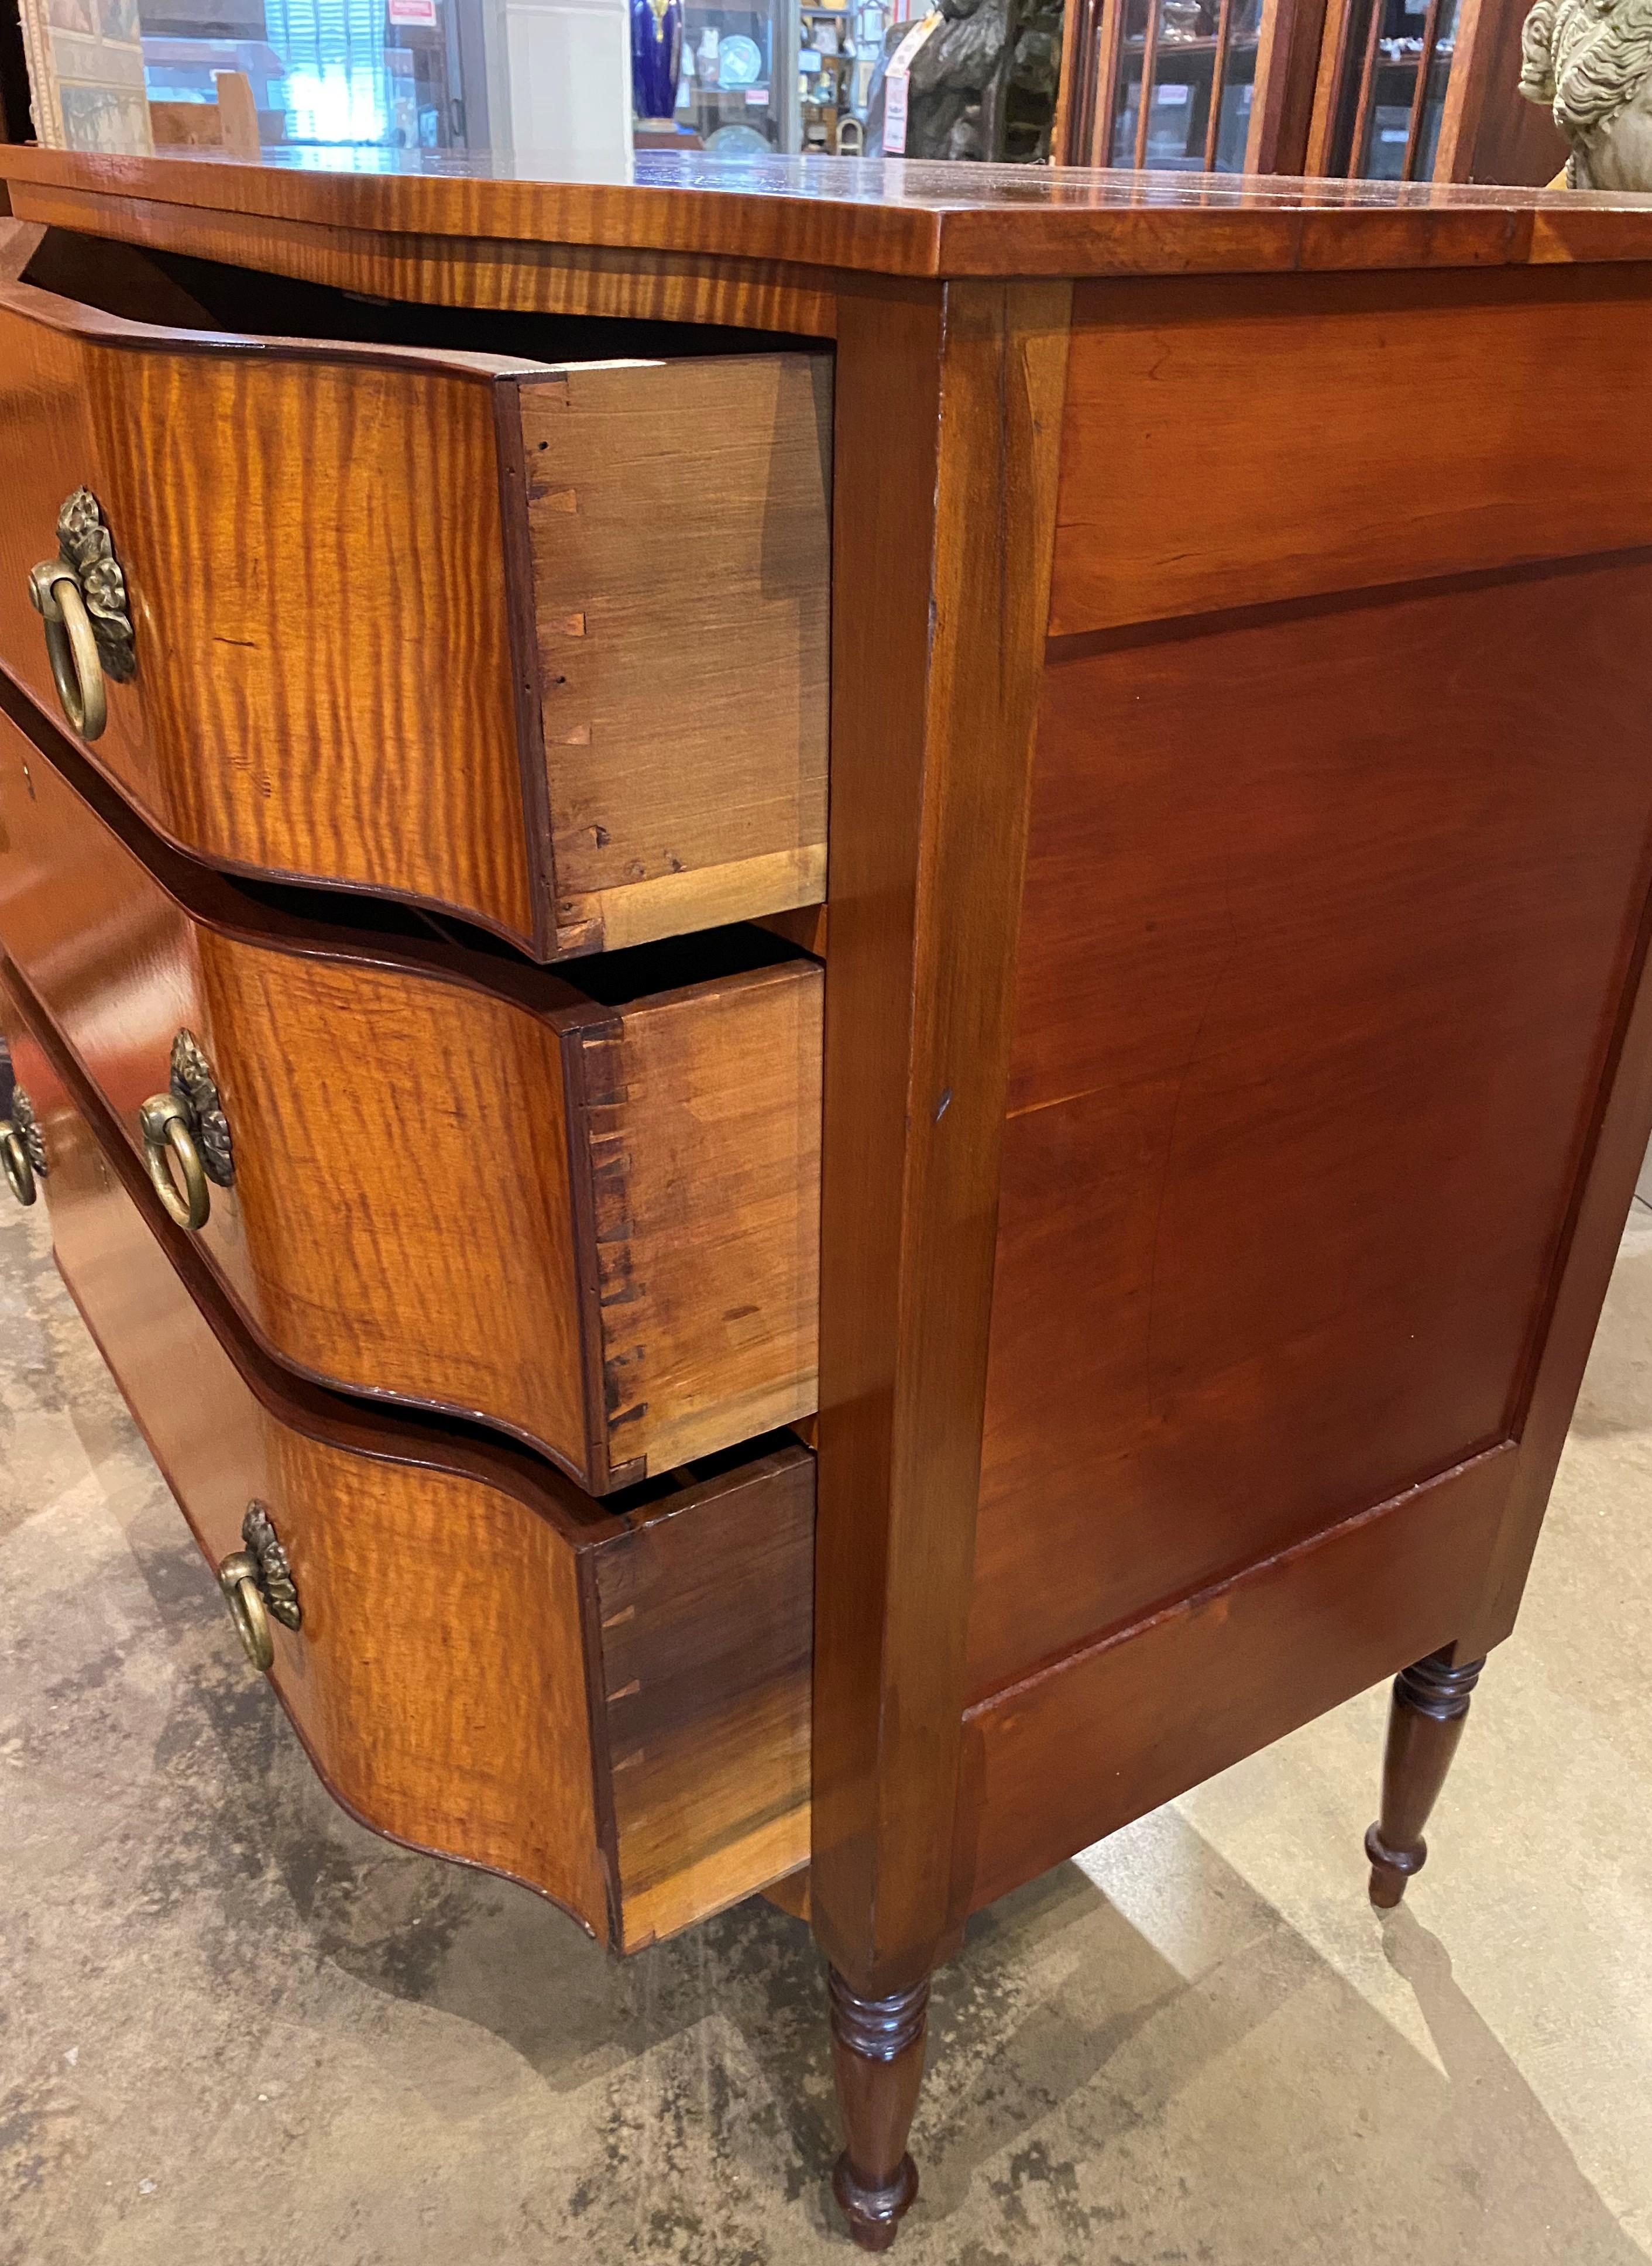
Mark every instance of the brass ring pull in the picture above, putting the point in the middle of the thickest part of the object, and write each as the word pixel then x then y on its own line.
pixel 15 1157
pixel 239 1578
pixel 168 1138
pixel 70 647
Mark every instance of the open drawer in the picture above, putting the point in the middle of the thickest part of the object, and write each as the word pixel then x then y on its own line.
pixel 426 1168
pixel 544 643
pixel 610 1701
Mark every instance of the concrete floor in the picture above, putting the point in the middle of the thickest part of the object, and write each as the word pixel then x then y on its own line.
pixel 234 2027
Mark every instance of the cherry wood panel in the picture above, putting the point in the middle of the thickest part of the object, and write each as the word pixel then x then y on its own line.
pixel 853 215
pixel 1238 441
pixel 348 562
pixel 1107 1734
pixel 610 1703
pixel 947 423
pixel 417 1196
pixel 1617 1152
pixel 707 1624
pixel 683 698
pixel 1325 936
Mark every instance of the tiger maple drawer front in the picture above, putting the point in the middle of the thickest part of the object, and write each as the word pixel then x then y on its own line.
pixel 439 1175
pixel 398 618
pixel 440 1620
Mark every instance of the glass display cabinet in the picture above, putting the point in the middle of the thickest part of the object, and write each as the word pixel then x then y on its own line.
pixel 1425 90
pixel 1374 90
pixel 1179 85
pixel 1386 88
pixel 738 94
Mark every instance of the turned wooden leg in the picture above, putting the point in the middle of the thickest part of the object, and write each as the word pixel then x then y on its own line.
pixel 878 2056
pixel 1425 1722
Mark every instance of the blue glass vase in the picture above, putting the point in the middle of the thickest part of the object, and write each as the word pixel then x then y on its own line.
pixel 656 56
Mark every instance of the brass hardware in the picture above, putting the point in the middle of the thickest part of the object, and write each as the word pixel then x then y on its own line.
pixel 258 1581
pixel 15 1157
pixel 70 647
pixel 196 1086
pixel 186 1126
pixel 238 1577
pixel 167 1138
pixel 22 1147
pixel 81 596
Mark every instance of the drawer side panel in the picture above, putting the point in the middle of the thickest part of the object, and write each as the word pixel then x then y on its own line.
pixel 702 1121
pixel 707 1629
pixel 679 521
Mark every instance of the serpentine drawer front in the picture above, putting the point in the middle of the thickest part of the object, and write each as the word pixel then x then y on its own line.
pixel 608 1701
pixel 434 1172
pixel 545 645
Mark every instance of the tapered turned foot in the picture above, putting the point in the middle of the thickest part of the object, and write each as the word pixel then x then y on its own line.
pixel 877 2057
pixel 1425 1722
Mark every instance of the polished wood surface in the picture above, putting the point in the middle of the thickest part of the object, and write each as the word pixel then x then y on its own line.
pixel 684 700
pixel 856 216
pixel 949 424
pixel 1112 1730
pixel 426 1205
pixel 478 1749
pixel 255 497
pixel 343 556
pixel 1425 1718
pixel 878 2063
pixel 1294 438
pixel 1323 952
pixel 523 276
pixel 612 1706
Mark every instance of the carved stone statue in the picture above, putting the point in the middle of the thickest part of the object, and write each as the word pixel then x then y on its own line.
pixel 1592 61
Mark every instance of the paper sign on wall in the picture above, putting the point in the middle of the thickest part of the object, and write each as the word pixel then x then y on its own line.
pixel 414 11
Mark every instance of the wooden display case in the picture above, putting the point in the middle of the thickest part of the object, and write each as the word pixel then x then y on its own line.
pixel 1427 90
pixel 1366 90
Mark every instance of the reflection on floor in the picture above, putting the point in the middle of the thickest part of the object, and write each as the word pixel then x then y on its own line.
pixel 235 2027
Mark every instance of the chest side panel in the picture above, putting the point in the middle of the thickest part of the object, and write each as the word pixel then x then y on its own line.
pixel 1331 905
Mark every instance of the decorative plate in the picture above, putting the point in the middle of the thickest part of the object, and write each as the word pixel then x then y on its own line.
pixel 739 141
pixel 739 62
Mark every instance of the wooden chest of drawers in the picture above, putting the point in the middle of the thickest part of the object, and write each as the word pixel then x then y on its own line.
pixel 1177 1142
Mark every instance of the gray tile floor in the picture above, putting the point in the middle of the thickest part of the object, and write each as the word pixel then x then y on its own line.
pixel 236 2029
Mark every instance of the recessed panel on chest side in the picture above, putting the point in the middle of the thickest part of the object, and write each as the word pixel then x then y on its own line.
pixel 1331 903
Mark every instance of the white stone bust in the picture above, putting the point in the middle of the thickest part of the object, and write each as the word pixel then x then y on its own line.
pixel 1591 62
